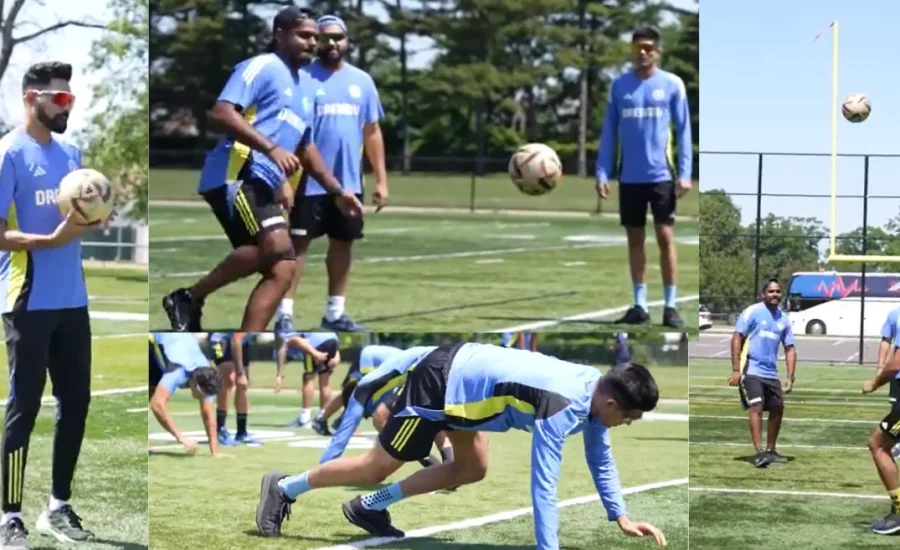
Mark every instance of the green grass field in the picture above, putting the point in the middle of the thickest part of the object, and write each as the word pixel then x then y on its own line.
pixel 428 271
pixel 117 300
pixel 226 490
pixel 824 434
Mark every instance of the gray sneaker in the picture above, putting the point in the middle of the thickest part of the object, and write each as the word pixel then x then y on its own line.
pixel 64 525
pixel 13 535
pixel 273 506
pixel 888 525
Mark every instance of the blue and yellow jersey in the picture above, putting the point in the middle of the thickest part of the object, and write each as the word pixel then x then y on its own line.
pixel 276 101
pixel 30 174
pixel 639 117
pixel 183 353
pixel 345 101
pixel 373 389
pixel 370 358
pixel 763 331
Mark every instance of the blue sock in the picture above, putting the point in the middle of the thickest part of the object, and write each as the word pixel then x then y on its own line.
pixel 669 294
pixel 383 498
pixel 294 486
pixel 640 296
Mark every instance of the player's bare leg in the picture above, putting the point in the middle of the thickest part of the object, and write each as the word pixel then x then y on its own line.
pixel 325 396
pixel 880 446
pixel 338 260
pixel 637 263
pixel 332 407
pixel 469 465
pixel 275 246
pixel 776 413
pixel 223 399
pixel 668 265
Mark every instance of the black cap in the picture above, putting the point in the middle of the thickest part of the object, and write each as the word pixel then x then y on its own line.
pixel 290 16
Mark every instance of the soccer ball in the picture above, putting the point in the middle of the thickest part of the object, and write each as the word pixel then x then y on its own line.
pixel 535 169
pixel 856 108
pixel 88 193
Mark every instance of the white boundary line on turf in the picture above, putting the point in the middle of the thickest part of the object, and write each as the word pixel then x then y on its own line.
pixel 789 493
pixel 801 402
pixel 788 419
pixel 99 393
pixel 589 315
pixel 796 390
pixel 494 518
pixel 103 337
pixel 119 316
pixel 783 445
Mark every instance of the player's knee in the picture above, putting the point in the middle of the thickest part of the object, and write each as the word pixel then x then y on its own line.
pixel 242 384
pixel 472 472
pixel 876 442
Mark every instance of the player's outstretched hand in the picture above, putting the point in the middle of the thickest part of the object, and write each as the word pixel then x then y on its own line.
pixel 640 529
pixel 603 190
pixel 735 378
pixel 349 204
pixel 683 188
pixel 190 447
pixel 868 386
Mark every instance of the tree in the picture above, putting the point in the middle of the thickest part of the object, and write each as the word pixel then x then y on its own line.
pixel 118 135
pixel 879 243
pixel 726 280
pixel 12 20
pixel 786 245
pixel 683 58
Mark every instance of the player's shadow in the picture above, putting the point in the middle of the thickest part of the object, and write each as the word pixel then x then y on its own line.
pixel 749 460
pixel 172 454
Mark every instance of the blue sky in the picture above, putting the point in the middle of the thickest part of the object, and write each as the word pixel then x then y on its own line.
pixel 71 44
pixel 767 87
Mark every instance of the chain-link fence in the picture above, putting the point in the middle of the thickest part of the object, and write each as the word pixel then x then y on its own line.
pixel 770 215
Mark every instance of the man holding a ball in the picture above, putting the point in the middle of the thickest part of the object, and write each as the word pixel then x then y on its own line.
pixel 44 303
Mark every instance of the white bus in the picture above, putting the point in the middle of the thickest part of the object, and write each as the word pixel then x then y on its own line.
pixel 829 302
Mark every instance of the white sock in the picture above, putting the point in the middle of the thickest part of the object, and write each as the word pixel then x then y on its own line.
pixel 305 415
pixel 286 307
pixel 334 308
pixel 56 504
pixel 10 515
pixel 321 414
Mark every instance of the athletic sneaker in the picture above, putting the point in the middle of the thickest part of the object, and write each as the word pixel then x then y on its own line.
pixel 273 506
pixel 63 524
pixel 225 438
pixel 888 525
pixel 297 423
pixel 376 522
pixel 774 458
pixel 895 451
pixel 320 426
pixel 634 316
pixel 184 313
pixel 13 535
pixel 284 324
pixel 761 460
pixel 247 439
pixel 344 323
pixel 671 318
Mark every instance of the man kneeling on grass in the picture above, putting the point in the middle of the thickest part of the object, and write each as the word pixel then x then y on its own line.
pixel 176 361
pixel 468 390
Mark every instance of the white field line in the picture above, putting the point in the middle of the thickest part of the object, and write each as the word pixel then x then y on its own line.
pixel 100 393
pixel 789 493
pixel 788 420
pixel 494 518
pixel 783 446
pixel 588 316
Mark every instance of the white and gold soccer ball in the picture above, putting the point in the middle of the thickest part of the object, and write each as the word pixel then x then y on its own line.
pixel 535 169
pixel 88 194
pixel 856 107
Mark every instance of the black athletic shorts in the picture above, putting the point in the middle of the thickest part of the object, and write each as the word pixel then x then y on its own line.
pixel 634 198
pixel 756 390
pixel 317 215
pixel 254 212
pixel 890 424
pixel 407 436
pixel 310 367
pixel 157 368
pixel 222 353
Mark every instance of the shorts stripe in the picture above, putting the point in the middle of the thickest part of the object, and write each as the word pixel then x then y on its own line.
pixel 404 433
pixel 246 212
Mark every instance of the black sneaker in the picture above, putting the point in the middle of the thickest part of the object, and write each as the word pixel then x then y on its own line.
pixel 336 425
pixel 63 524
pixel 376 522
pixel 344 323
pixel 671 318
pixel 775 458
pixel 13 535
pixel 634 316
pixel 761 460
pixel 184 313
pixel 273 506
pixel 320 426
pixel 888 525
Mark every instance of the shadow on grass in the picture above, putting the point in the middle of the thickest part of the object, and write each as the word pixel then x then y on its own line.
pixel 423 543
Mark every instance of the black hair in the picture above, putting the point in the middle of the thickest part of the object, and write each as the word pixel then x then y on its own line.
pixel 632 387
pixel 39 75
pixel 768 282
pixel 207 380
pixel 347 392
pixel 288 18
pixel 647 33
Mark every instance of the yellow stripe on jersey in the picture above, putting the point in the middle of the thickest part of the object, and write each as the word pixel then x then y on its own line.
pixel 388 387
pixel 487 408
pixel 745 354
pixel 308 364
pixel 239 151
pixel 18 265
